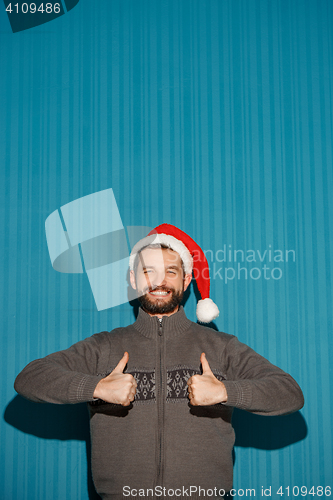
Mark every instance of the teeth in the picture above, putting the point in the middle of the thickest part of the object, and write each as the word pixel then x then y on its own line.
pixel 159 293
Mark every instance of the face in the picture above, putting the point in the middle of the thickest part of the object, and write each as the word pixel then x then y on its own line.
pixel 160 281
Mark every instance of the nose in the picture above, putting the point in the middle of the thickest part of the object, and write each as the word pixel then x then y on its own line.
pixel 159 279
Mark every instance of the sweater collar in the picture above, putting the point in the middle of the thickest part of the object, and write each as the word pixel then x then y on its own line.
pixel 172 325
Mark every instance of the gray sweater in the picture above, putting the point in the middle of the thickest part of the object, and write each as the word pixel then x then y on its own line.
pixel 160 440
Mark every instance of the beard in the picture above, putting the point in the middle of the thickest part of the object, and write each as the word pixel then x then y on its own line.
pixel 161 306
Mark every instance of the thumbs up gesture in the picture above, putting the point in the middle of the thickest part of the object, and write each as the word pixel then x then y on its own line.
pixel 206 389
pixel 118 387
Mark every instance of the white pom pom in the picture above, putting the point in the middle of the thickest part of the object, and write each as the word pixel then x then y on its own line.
pixel 207 310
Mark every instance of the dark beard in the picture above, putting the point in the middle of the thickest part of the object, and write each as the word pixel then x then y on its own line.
pixel 163 307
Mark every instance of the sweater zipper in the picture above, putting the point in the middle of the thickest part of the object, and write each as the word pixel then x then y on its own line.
pixel 161 400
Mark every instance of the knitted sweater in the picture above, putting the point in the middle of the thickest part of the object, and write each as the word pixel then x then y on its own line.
pixel 160 440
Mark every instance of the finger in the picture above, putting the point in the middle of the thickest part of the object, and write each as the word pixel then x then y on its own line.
pixel 204 364
pixel 122 363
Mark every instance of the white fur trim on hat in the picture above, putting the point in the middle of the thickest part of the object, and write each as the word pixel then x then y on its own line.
pixel 207 310
pixel 168 240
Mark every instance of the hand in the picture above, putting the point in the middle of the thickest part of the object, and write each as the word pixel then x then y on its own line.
pixel 118 387
pixel 205 389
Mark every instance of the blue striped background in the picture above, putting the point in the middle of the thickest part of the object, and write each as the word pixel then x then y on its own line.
pixel 213 115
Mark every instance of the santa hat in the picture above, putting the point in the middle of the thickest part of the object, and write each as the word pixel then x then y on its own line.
pixel 193 259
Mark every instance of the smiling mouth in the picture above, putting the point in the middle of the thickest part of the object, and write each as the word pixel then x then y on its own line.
pixel 159 293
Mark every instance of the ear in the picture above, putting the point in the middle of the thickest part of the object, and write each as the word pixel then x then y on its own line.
pixel 132 280
pixel 187 280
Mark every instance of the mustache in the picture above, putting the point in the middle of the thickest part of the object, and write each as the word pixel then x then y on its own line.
pixel 158 289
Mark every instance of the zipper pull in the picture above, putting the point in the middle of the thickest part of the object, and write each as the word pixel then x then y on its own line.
pixel 160 328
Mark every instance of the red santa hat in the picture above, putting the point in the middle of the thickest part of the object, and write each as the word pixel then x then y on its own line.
pixel 193 259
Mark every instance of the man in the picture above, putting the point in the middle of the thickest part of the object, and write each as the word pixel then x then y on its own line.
pixel 161 391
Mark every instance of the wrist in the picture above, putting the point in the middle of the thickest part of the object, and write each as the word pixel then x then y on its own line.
pixel 97 392
pixel 224 395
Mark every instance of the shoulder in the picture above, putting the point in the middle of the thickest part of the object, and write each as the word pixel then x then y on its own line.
pixel 107 337
pixel 208 330
pixel 212 334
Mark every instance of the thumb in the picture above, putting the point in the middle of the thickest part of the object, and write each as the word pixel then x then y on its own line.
pixel 122 363
pixel 204 363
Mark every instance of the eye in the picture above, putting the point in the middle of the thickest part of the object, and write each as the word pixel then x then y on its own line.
pixel 171 272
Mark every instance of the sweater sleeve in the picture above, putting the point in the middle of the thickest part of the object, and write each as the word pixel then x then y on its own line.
pixel 256 385
pixel 68 376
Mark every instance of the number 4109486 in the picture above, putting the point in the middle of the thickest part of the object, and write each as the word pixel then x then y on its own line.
pixel 31 8
pixel 304 491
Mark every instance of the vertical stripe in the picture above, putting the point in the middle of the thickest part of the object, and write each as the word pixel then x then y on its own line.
pixel 215 116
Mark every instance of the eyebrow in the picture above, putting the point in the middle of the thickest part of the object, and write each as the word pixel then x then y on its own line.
pixel 172 266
